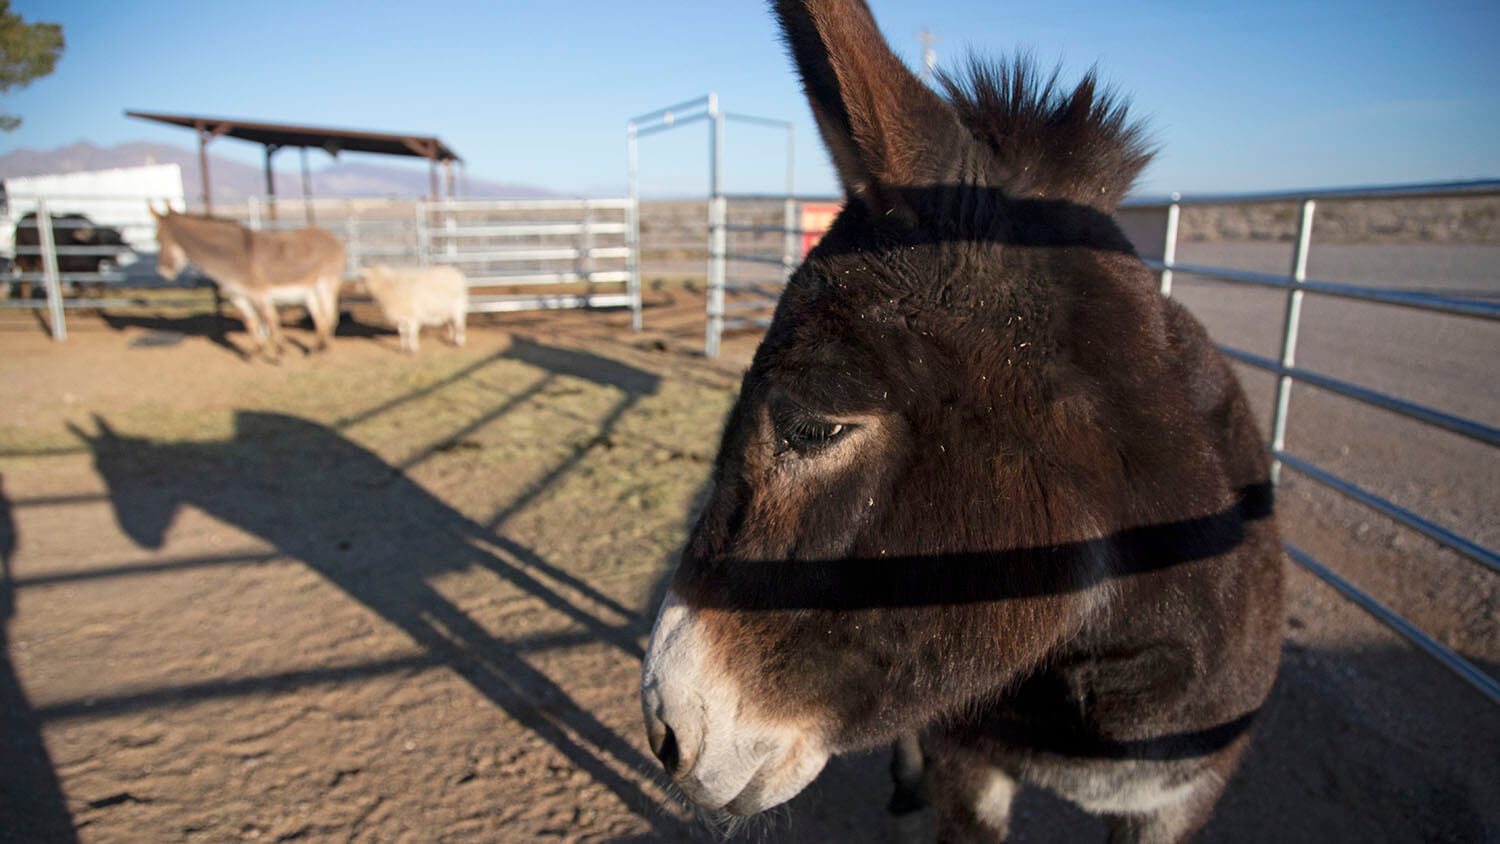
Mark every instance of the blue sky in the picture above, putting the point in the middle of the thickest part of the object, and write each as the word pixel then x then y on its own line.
pixel 1242 96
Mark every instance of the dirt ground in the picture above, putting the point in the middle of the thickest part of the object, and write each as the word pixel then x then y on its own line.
pixel 371 597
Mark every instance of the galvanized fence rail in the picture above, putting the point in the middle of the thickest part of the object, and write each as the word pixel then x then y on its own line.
pixel 754 310
pixel 760 255
pixel 535 247
pixel 707 108
pixel 517 254
pixel 519 246
pixel 95 265
pixel 1297 285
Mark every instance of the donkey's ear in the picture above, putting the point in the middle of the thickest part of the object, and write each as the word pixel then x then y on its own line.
pixel 80 433
pixel 106 431
pixel 882 126
pixel 152 209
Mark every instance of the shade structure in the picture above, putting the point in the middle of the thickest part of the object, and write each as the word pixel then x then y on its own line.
pixel 274 136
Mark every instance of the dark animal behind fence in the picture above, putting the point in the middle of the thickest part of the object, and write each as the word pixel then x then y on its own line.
pixel 982 482
pixel 69 231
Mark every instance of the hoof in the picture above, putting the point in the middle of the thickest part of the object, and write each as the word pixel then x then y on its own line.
pixel 916 827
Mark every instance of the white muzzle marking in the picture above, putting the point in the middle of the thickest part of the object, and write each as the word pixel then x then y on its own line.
pixel 717 751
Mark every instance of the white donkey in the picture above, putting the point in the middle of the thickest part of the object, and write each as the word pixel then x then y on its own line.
pixel 412 297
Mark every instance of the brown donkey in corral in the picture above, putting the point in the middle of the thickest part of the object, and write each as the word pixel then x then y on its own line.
pixel 258 270
pixel 982 485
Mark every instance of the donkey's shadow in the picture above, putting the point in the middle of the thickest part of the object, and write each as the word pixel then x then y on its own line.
pixel 303 488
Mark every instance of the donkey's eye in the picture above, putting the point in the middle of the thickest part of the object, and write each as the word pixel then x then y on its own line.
pixel 800 431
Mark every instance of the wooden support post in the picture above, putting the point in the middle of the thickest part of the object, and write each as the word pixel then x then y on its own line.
pixel 270 182
pixel 208 194
pixel 205 135
pixel 428 149
pixel 448 175
pixel 306 190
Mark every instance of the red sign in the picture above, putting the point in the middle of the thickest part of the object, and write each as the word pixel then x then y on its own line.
pixel 816 218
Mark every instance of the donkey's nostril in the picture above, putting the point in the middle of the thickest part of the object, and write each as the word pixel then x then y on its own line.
pixel 666 749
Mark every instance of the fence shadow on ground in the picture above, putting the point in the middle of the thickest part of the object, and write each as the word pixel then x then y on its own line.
pixel 32 806
pixel 294 483
pixel 1375 744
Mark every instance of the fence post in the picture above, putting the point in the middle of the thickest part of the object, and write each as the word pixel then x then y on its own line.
pixel 450 234
pixel 633 225
pixel 423 241
pixel 789 221
pixel 789 239
pixel 585 266
pixel 351 240
pixel 1169 247
pixel 718 214
pixel 49 271
pixel 1289 329
pixel 253 204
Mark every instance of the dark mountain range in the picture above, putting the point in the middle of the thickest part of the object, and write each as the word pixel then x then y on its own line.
pixel 233 180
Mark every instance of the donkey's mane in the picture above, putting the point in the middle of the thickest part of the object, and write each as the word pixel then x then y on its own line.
pixel 204 218
pixel 211 239
pixel 1050 142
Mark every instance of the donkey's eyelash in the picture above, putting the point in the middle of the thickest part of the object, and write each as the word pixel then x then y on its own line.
pixel 801 431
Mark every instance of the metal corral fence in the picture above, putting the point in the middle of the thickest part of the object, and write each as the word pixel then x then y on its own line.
pixel 518 254
pixel 1165 214
pixel 761 231
pixel 765 238
pixel 112 247
pixel 555 253
pixel 756 268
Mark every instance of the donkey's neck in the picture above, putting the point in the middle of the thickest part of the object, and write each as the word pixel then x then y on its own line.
pixel 221 248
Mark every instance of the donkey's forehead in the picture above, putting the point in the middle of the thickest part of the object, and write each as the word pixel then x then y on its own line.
pixel 843 342
pixel 868 285
pixel 874 269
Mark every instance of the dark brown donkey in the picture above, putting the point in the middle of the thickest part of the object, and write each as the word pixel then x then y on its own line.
pixel 982 482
